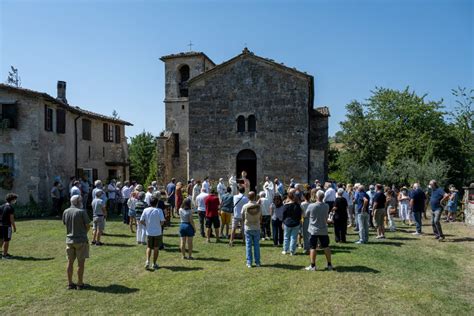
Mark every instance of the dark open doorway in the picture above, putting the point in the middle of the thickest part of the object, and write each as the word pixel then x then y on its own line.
pixel 247 161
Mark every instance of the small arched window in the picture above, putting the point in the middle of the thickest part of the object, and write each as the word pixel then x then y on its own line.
pixel 252 124
pixel 241 124
pixel 183 78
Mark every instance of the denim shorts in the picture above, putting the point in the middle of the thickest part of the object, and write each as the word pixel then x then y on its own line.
pixel 132 213
pixel 186 230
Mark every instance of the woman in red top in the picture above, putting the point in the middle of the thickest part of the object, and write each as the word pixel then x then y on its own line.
pixel 179 195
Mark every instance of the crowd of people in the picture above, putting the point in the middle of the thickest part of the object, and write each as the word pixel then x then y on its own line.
pixel 293 216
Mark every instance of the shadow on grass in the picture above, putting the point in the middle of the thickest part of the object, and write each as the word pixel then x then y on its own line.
pixel 118 245
pixel 112 288
pixel 384 242
pixel 21 258
pixel 356 269
pixel 181 269
pixel 402 238
pixel 464 239
pixel 212 259
pixel 168 249
pixel 119 235
pixel 284 266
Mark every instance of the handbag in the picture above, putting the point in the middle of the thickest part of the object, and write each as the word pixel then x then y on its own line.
pixel 331 218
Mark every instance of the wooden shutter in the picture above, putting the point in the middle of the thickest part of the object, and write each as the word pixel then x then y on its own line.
pixel 60 121
pixel 106 132
pixel 95 175
pixel 86 129
pixel 117 134
pixel 79 173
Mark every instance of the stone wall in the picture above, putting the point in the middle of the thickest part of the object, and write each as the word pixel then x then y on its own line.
pixel 177 109
pixel 318 146
pixel 279 99
pixel 23 143
pixel 42 156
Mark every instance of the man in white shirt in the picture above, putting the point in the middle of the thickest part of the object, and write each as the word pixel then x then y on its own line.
pixel 221 189
pixel 206 186
pixel 112 195
pixel 233 185
pixel 148 195
pixel 196 192
pixel 239 201
pixel 75 190
pixel 269 189
pixel 153 219
pixel 126 192
pixel 201 208
pixel 329 195
pixel 265 203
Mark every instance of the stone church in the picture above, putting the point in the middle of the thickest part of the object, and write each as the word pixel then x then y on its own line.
pixel 248 113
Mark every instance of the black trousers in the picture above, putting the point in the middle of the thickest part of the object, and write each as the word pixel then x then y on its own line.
pixel 340 229
pixel 202 221
pixel 265 226
pixel 277 227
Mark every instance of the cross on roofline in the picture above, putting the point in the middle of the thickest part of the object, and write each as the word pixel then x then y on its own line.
pixel 190 45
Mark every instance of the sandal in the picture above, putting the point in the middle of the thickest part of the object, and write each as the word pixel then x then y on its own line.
pixel 81 287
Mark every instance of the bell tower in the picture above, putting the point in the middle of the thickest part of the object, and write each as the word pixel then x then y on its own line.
pixel 179 69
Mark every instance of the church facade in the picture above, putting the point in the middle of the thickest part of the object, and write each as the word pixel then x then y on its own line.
pixel 247 114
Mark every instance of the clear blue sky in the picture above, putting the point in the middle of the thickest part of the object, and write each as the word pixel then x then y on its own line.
pixel 108 51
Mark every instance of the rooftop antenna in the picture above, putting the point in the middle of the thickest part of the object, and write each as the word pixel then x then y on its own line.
pixel 190 45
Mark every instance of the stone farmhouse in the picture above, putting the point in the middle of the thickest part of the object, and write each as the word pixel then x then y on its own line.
pixel 249 113
pixel 44 139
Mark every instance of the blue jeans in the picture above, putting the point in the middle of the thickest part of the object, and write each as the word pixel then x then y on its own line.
pixel 435 223
pixel 252 238
pixel 290 235
pixel 417 216
pixel 363 221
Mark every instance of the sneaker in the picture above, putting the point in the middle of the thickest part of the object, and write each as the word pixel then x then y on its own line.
pixel 359 242
pixel 416 234
pixel 441 239
pixel 93 242
pixel 71 286
pixel 155 266
pixel 190 258
pixel 329 268
pixel 249 265
pixel 7 256
pixel 263 239
pixel 284 252
pixel 258 265
pixel 147 266
pixel 310 268
pixel 379 237
pixel 292 253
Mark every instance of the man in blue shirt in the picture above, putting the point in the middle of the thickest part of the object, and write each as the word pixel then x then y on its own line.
pixel 417 204
pixel 170 194
pixel 437 196
pixel 362 211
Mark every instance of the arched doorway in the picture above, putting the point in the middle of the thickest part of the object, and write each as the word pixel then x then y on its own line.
pixel 247 161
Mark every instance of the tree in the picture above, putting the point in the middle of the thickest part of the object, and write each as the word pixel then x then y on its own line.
pixel 463 123
pixel 396 137
pixel 13 78
pixel 153 168
pixel 141 151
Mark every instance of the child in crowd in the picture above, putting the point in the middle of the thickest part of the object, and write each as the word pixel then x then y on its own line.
pixel 140 205
pixel 131 203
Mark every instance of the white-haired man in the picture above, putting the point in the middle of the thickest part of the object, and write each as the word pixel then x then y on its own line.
pixel 77 245
pixel 417 204
pixel 318 228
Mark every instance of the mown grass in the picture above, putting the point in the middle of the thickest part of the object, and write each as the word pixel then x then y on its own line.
pixel 401 275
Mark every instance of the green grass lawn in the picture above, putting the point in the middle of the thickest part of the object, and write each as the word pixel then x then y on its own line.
pixel 401 275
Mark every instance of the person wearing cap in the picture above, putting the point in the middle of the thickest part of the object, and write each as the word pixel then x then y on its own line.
pixel 417 204
pixel 99 213
pixel 371 194
pixel 452 204
pixel 378 207
pixel 340 216
pixel 437 197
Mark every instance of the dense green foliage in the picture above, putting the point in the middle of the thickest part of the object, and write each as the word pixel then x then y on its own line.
pixel 141 151
pixel 398 137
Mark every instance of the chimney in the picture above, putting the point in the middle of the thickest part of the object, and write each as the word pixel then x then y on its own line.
pixel 62 91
